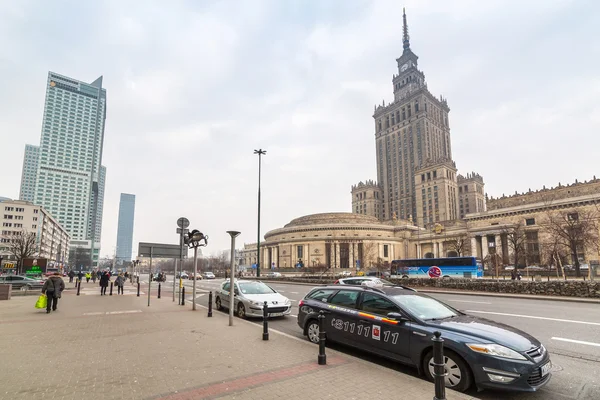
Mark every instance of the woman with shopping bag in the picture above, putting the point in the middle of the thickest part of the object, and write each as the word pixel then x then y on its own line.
pixel 53 288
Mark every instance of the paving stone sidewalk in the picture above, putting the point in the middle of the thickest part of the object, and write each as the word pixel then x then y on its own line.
pixel 116 347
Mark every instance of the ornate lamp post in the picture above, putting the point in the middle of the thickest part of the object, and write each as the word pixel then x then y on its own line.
pixel 194 240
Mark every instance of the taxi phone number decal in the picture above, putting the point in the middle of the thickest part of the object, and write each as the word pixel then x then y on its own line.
pixel 374 331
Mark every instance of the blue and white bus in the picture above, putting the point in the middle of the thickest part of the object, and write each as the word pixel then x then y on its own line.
pixel 451 267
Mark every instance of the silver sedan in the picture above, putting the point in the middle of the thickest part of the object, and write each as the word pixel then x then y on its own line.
pixel 250 297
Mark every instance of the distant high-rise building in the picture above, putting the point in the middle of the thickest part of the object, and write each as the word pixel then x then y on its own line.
pixel 125 228
pixel 30 165
pixel 69 178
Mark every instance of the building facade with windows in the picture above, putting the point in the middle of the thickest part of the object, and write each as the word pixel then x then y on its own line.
pixel 69 177
pixel 471 194
pixel 52 239
pixel 125 227
pixel 30 165
pixel 412 137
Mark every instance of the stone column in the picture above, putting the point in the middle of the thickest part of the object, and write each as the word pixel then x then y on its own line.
pixel 474 247
pixel 337 254
pixel 484 247
pixel 498 241
pixel 276 256
pixel 331 253
pixel 352 263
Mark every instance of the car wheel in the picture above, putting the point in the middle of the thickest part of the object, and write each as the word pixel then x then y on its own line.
pixel 312 331
pixel 218 304
pixel 404 276
pixel 241 311
pixel 446 277
pixel 458 375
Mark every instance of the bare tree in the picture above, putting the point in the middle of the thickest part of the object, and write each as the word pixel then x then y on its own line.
pixel 21 245
pixel 460 244
pixel 516 240
pixel 575 230
pixel 555 254
pixel 370 253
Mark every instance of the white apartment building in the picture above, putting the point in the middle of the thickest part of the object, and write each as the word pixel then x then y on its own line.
pixel 52 240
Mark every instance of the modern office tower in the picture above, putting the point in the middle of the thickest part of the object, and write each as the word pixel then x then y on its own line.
pixel 70 178
pixel 30 165
pixel 125 228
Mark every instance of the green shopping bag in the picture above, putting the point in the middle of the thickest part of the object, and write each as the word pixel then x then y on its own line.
pixel 41 302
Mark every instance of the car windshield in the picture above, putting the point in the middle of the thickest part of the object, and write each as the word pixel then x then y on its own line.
pixel 425 308
pixel 255 288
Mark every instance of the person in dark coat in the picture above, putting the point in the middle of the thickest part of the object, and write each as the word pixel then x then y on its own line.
pixel 80 276
pixel 71 276
pixel 53 288
pixel 104 279
pixel 94 276
pixel 120 281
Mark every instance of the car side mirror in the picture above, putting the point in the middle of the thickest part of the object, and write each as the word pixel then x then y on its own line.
pixel 397 317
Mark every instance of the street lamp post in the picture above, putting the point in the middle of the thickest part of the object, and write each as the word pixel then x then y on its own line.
pixel 194 239
pixel 233 235
pixel 260 153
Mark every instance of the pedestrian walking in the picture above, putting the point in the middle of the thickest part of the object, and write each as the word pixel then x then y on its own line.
pixel 88 276
pixel 71 276
pixel 120 281
pixel 94 276
pixel 53 288
pixel 99 274
pixel 513 275
pixel 104 279
pixel 80 276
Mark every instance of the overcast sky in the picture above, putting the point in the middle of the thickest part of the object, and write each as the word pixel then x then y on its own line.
pixel 193 87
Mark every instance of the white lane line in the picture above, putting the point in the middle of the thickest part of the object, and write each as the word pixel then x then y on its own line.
pixel 282 291
pixel 467 301
pixel 94 313
pixel 294 292
pixel 535 317
pixel 113 312
pixel 293 300
pixel 292 315
pixel 576 341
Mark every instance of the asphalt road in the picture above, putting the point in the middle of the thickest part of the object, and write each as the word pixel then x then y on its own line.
pixel 570 331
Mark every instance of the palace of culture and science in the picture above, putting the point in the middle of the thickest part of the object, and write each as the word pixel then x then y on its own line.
pixel 417 178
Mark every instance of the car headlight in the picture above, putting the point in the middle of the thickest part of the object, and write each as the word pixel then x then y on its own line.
pixel 492 349
pixel 257 303
pixel 287 302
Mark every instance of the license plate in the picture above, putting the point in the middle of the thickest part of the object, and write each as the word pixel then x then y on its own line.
pixel 277 314
pixel 546 368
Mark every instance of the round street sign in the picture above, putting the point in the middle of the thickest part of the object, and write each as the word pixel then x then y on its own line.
pixel 183 222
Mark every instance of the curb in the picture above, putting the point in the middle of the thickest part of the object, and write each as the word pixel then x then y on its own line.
pixel 467 293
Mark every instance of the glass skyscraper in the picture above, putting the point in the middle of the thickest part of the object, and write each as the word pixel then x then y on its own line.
pixel 69 177
pixel 30 165
pixel 125 228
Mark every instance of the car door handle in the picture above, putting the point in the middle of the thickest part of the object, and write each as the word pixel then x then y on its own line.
pixel 419 333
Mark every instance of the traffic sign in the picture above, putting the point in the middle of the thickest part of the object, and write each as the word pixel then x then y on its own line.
pixel 183 222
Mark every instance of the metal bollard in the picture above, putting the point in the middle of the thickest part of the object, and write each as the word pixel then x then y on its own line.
pixel 265 321
pixel 210 303
pixel 183 296
pixel 111 285
pixel 78 287
pixel 159 290
pixel 138 293
pixel 439 368
pixel 322 356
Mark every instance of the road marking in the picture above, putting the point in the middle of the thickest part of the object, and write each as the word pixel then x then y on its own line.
pixel 576 341
pixel 535 317
pixel 467 301
pixel 113 312
pixel 282 291
pixel 294 292
pixel 292 300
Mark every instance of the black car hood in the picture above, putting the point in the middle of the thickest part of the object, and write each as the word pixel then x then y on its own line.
pixel 486 329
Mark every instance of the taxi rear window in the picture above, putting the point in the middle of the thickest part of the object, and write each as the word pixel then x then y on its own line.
pixel 321 294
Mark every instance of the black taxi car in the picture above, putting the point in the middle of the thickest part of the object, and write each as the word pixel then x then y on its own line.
pixel 398 323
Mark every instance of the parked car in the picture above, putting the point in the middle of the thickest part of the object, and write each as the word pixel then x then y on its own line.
pixel 398 323
pixel 274 275
pixel 208 275
pixel 345 273
pixel 21 282
pixel 182 275
pixel 250 297
pixel 383 274
pixel 360 280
